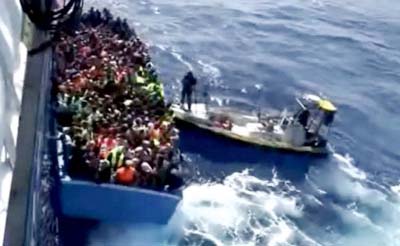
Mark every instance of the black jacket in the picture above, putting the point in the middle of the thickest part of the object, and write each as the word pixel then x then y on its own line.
pixel 189 81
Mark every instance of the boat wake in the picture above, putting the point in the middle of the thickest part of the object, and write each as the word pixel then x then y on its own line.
pixel 246 210
pixel 365 214
pixel 243 210
pixel 176 55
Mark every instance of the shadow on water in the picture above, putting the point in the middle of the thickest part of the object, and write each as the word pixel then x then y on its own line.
pixel 225 156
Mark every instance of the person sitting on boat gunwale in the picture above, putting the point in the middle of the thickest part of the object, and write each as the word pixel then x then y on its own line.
pixel 188 85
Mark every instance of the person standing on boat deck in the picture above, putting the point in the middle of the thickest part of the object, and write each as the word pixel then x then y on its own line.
pixel 188 84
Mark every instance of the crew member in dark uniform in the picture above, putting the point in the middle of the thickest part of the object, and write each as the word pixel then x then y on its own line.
pixel 303 117
pixel 188 84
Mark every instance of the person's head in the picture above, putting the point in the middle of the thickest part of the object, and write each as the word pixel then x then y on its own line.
pixel 84 124
pixel 150 125
pixel 129 118
pixel 147 156
pixel 62 88
pixel 146 168
pixel 120 140
pixel 175 132
pixel 129 163
pixel 168 146
pixel 128 103
pixel 138 151
pixel 104 164
pixel 146 144
pixel 190 74
pixel 124 127
pixel 138 121
pixel 164 126
pixel 163 151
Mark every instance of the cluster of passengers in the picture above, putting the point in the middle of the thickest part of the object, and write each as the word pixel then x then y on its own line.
pixel 110 106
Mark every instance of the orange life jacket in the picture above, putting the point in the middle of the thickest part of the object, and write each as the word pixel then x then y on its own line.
pixel 125 175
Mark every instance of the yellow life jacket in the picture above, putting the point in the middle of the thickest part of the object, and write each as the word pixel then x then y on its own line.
pixel 140 80
pixel 155 89
pixel 140 76
pixel 151 87
pixel 161 89
pixel 116 157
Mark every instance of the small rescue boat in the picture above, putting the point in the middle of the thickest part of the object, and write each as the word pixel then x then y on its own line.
pixel 304 131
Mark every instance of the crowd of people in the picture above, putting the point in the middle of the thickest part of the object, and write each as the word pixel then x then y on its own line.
pixel 110 107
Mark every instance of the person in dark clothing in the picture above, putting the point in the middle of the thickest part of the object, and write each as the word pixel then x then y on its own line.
pixel 303 117
pixel 173 177
pixel 103 174
pixel 188 84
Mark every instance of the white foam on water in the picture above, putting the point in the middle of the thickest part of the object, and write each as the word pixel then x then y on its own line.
pixel 363 231
pixel 314 186
pixel 212 72
pixel 371 216
pixel 218 100
pixel 243 210
pixel 175 54
pixel 395 189
pixel 346 163
pixel 156 10
pixel 179 57
pixel 258 86
pixel 240 204
pixel 209 69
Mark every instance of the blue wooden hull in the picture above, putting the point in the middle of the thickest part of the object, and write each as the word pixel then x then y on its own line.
pixel 108 202
pixel 115 203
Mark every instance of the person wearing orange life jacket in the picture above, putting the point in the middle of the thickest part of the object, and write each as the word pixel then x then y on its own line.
pixel 126 174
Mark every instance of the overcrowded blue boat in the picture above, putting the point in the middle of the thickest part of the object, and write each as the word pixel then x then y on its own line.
pixel 118 159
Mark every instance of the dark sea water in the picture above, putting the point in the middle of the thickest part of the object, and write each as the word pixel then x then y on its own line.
pixel 346 50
